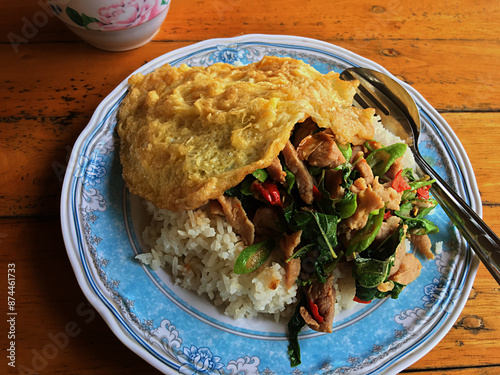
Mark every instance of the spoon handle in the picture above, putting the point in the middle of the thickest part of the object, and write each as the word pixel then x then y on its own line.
pixel 480 237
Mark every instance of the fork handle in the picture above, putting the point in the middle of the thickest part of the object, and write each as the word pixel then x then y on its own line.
pixel 480 237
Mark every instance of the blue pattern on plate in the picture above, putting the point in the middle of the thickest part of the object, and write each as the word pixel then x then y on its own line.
pixel 189 342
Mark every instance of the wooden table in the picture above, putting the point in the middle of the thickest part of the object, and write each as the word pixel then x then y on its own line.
pixel 52 82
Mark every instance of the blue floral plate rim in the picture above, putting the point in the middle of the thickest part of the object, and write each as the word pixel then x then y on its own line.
pixel 243 49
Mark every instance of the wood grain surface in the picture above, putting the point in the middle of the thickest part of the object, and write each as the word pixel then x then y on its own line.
pixel 51 82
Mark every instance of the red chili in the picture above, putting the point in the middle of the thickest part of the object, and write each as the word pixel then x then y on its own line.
pixel 315 311
pixel 423 192
pixel 399 184
pixel 269 192
pixel 387 215
pixel 356 299
pixel 317 194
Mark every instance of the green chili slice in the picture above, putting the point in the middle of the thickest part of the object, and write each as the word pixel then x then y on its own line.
pixel 252 257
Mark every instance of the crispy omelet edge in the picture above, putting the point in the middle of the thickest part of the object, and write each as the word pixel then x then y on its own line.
pixel 180 198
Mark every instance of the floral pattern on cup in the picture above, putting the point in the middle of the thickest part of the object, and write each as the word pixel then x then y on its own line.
pixel 120 15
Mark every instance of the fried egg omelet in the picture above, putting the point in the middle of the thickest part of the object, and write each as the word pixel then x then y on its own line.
pixel 190 133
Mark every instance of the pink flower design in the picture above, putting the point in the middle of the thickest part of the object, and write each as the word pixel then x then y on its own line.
pixel 127 14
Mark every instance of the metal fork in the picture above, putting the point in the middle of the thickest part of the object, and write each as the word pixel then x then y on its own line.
pixel 400 115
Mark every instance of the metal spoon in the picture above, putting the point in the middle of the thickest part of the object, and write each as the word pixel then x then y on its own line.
pixel 400 115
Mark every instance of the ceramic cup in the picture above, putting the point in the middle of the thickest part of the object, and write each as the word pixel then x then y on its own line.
pixel 112 25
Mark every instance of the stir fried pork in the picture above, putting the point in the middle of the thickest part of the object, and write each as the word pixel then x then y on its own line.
pixel 368 201
pixel 265 222
pixel 299 169
pixel 408 270
pixel 423 244
pixel 389 196
pixel 317 147
pixel 388 227
pixel 276 172
pixel 320 150
pixel 292 268
pixel 399 256
pixel 302 130
pixel 363 168
pixel 322 296
pixel 237 217
pixel 333 183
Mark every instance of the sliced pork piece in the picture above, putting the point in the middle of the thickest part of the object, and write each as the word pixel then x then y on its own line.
pixel 237 218
pixel 355 153
pixel 333 183
pixel 303 129
pixel 388 227
pixel 359 185
pixel 323 297
pixel 302 177
pixel 265 221
pixel 367 201
pixel 423 245
pixel 408 271
pixel 320 150
pixel 386 286
pixel 288 244
pixel 276 171
pixel 363 168
pixel 394 168
pixel 391 197
pixel 215 208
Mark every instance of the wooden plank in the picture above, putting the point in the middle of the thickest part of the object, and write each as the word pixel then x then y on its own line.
pixel 478 133
pixel 493 370
pixel 458 77
pixel 474 338
pixel 34 154
pixel 57 331
pixel 33 159
pixel 196 20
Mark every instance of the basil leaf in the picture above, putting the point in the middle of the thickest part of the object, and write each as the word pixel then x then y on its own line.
pixel 423 212
pixel 347 206
pixel 381 159
pixel 246 187
pixel 314 171
pixel 371 272
pixel 252 257
pixel 387 249
pixel 366 236
pixel 405 210
pixel 421 226
pixel 326 229
pixel 326 205
pixel 295 325
pixel 303 250
pixel 289 179
pixel 349 175
pixel 368 294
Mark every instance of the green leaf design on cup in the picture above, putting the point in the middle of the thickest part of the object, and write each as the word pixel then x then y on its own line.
pixel 80 19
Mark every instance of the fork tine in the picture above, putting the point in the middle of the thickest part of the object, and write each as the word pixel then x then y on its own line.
pixel 368 96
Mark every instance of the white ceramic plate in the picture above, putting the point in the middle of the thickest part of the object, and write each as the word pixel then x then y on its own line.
pixel 178 331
